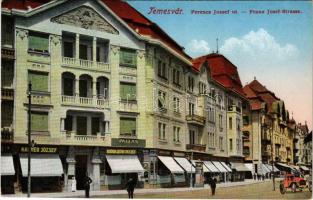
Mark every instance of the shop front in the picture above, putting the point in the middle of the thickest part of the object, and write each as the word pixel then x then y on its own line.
pixel 222 169
pixel 7 174
pixel 169 173
pixel 214 172
pixel 238 171
pixel 46 169
pixel 188 168
pixel 120 166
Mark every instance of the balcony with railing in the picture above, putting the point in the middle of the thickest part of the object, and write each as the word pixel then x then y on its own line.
pixel 195 119
pixel 71 138
pixel 7 53
pixel 85 64
pixel 234 108
pixel 196 147
pixel 128 106
pixel 7 94
pixel 85 101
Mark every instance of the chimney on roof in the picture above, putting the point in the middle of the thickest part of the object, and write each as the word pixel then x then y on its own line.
pixel 254 78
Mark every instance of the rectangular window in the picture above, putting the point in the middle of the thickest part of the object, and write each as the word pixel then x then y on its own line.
pixel 38 42
pixel 220 117
pixel 127 126
pixel 231 144
pixel 83 52
pixel 95 125
pixel 39 81
pixel 162 131
pixel 128 91
pixel 128 57
pixel 192 136
pixel 191 109
pixel 176 104
pixel 68 48
pixel 176 131
pixel 176 77
pixel 68 124
pixel 161 100
pixel 238 124
pixel 39 121
pixel 221 143
pixel 81 125
pixel 245 120
pixel 190 83
pixel 230 123
pixel 202 88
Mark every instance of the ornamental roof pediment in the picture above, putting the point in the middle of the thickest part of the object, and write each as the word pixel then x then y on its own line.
pixel 85 17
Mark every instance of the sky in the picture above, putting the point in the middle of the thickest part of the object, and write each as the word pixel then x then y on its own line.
pixel 275 48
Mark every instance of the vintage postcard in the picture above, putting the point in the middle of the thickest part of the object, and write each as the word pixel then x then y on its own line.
pixel 156 99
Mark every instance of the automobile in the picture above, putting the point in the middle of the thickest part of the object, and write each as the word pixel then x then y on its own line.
pixel 293 182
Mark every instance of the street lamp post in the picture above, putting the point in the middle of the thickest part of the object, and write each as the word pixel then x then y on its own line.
pixel 29 138
pixel 191 158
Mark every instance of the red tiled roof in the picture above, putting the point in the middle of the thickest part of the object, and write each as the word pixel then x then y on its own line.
pixel 249 92
pixel 127 13
pixel 222 71
pixel 256 89
pixel 255 104
pixel 257 86
pixel 22 4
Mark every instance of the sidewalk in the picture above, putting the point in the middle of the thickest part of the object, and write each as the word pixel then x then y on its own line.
pixel 81 193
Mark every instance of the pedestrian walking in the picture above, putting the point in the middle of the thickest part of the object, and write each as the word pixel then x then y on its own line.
pixel 73 184
pixel 88 181
pixel 130 187
pixel 213 185
pixel 254 176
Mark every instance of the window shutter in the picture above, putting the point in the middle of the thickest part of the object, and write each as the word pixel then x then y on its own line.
pixel 39 121
pixel 39 42
pixel 39 81
pixel 127 125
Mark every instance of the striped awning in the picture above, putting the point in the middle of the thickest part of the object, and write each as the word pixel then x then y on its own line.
pixel 170 164
pixel 7 166
pixel 219 166
pixel 185 164
pixel 210 166
pixel 205 169
pixel 226 166
pixel 270 167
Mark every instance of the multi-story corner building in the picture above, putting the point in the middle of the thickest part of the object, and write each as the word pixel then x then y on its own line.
pixel 112 97
pixel 226 89
pixel 268 126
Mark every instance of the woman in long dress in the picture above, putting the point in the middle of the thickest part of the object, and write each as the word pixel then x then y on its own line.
pixel 73 184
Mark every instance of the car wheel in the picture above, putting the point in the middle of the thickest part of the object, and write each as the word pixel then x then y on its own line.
pixel 293 187
pixel 282 189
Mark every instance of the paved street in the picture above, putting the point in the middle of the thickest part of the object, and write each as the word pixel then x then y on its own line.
pixel 238 190
pixel 261 190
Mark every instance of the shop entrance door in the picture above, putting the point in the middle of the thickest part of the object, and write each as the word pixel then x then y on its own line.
pixel 80 171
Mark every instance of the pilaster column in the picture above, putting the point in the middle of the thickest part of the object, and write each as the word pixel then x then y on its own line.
pixel 77 86
pixel 77 46
pixel 94 89
pixel 74 124
pixel 89 125
pixel 62 124
pixel 96 161
pixel 94 49
pixel 70 169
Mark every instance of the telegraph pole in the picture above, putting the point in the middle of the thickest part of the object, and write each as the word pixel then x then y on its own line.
pixel 191 158
pixel 29 138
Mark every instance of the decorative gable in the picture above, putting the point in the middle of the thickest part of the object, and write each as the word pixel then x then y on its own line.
pixel 85 17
